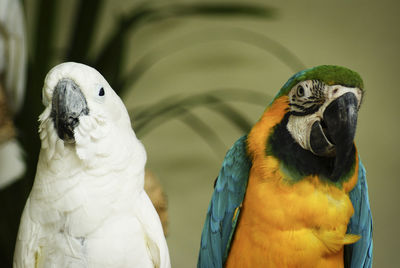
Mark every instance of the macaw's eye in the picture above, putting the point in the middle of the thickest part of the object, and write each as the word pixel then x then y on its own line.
pixel 101 92
pixel 300 91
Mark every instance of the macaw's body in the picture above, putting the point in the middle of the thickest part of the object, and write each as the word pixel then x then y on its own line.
pixel 306 220
pixel 292 193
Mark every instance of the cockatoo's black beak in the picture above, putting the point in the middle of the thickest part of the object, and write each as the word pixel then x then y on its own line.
pixel 68 104
pixel 334 135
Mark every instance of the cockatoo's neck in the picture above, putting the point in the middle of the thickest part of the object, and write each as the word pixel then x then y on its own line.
pixel 100 146
pixel 105 163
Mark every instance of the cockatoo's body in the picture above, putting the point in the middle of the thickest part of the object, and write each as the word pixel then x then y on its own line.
pixel 87 207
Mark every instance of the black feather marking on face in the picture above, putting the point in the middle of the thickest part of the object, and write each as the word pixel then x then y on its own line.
pixel 296 105
pixel 305 111
pixel 311 101
pixel 304 104
pixel 282 145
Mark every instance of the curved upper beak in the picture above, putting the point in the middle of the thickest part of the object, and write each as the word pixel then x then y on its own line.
pixel 334 135
pixel 68 103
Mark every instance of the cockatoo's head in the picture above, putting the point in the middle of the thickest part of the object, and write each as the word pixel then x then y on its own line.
pixel 82 110
pixel 320 107
pixel 72 90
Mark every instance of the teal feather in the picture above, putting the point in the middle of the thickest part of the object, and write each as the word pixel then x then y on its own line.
pixel 359 254
pixel 228 195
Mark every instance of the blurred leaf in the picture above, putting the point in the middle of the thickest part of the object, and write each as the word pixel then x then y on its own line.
pixel 258 40
pixel 38 66
pixel 84 25
pixel 227 94
pixel 150 117
pixel 214 9
pixel 272 46
pixel 110 58
pixel 194 122
pixel 12 199
pixel 233 115
pixel 202 129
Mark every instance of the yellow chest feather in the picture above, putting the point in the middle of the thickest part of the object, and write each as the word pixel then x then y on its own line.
pixel 285 224
pixel 289 224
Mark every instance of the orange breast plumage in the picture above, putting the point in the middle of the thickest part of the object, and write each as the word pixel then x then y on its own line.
pixel 289 224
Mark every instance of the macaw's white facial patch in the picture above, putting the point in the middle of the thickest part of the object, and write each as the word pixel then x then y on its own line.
pixel 300 128
pixel 308 101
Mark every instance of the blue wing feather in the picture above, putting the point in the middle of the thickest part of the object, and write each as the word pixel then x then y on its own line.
pixel 228 195
pixel 359 254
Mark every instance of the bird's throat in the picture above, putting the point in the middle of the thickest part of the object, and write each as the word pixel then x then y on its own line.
pixel 302 162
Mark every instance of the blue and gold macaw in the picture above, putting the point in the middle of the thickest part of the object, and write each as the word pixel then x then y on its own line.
pixel 293 192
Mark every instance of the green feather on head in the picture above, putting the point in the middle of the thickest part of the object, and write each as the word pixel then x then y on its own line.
pixel 329 74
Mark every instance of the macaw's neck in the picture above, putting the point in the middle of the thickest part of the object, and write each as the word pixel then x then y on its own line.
pixel 299 163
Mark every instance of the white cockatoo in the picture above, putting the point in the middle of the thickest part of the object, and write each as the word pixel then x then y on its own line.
pixel 87 207
pixel 13 56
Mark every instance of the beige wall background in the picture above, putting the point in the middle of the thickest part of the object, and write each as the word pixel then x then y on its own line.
pixel 361 35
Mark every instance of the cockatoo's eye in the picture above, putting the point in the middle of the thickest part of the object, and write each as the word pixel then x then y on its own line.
pixel 101 91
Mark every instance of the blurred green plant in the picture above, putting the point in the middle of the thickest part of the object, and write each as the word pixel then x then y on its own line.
pixel 110 61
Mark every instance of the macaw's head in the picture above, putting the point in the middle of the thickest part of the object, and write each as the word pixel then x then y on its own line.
pixel 316 133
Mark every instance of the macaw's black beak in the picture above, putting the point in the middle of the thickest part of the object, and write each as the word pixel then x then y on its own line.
pixel 334 135
pixel 68 104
